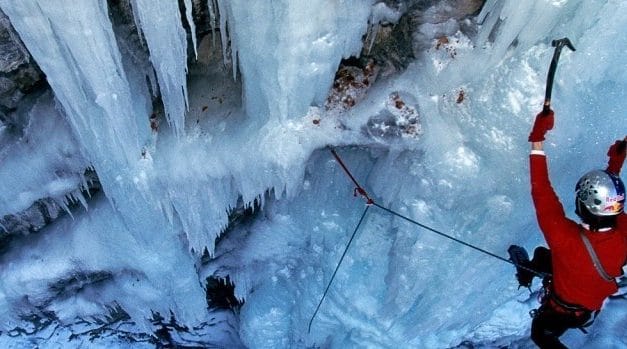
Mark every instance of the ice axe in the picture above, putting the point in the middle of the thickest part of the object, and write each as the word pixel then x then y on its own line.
pixel 558 44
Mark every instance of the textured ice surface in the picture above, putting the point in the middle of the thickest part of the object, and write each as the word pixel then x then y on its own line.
pixel 259 138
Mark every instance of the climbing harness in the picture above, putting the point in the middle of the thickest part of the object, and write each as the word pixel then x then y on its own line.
pixel 549 299
pixel 359 190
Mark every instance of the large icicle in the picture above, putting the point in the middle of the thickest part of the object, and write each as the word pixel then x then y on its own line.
pixel 106 108
pixel 192 26
pixel 88 77
pixel 160 22
pixel 289 53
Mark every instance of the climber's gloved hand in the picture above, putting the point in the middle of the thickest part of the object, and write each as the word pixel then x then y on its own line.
pixel 616 155
pixel 544 123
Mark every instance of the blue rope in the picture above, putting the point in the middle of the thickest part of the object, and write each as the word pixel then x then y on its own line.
pixel 541 274
pixel 363 215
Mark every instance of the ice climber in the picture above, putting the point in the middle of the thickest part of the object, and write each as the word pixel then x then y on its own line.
pixel 584 259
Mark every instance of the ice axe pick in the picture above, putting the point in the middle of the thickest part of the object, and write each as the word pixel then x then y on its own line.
pixel 558 44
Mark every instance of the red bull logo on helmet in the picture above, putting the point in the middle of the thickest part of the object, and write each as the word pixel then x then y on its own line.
pixel 614 204
pixel 616 198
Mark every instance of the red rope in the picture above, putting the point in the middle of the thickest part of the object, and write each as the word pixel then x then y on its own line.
pixel 359 190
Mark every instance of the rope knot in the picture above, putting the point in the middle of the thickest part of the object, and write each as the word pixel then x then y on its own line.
pixel 362 192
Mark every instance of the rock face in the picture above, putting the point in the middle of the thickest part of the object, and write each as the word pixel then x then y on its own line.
pixel 43 212
pixel 13 53
pixel 19 74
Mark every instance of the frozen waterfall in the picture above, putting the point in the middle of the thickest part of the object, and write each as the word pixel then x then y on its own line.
pixel 207 124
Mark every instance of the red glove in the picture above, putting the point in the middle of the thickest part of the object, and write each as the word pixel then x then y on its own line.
pixel 617 156
pixel 543 123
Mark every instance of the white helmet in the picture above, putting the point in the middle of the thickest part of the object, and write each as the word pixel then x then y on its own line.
pixel 601 193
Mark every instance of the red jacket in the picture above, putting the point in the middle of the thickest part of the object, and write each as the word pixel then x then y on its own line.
pixel 575 278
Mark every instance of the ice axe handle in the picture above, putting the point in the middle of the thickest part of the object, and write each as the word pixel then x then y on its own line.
pixel 558 44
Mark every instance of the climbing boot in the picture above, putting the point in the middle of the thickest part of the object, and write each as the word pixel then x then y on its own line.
pixel 524 273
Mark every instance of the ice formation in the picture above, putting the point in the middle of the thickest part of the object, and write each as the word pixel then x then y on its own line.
pixel 161 26
pixel 442 141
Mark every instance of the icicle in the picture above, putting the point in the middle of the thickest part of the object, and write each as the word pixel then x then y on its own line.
pixel 82 200
pixel 213 19
pixel 84 185
pixel 372 35
pixel 137 24
pixel 192 26
pixel 224 37
pixel 87 75
pixel 65 207
pixel 261 201
pixel 242 286
pixel 161 24
pixel 210 248
pixel 223 24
